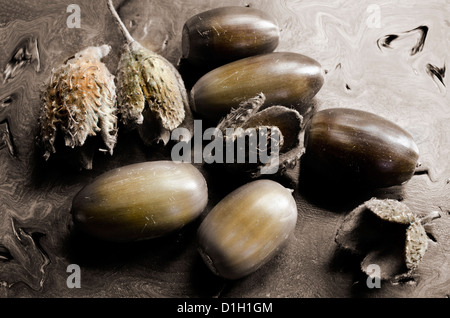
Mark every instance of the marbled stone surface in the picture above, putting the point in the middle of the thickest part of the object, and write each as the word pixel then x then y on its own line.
pixel 389 58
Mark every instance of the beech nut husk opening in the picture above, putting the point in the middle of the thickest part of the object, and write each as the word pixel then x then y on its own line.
pixel 222 35
pixel 386 233
pixel 358 147
pixel 271 137
pixel 285 78
pixel 140 201
pixel 247 228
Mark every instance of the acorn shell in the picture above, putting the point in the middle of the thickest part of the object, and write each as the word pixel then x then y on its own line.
pixel 140 201
pixel 287 79
pixel 354 146
pixel 222 35
pixel 247 228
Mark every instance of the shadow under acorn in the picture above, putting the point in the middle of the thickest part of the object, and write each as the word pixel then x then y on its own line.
pixel 174 255
pixel 338 192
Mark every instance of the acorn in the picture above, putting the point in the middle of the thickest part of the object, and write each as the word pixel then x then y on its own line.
pixel 222 35
pixel 357 147
pixel 288 79
pixel 386 233
pixel 269 138
pixel 79 102
pixel 152 97
pixel 247 228
pixel 140 201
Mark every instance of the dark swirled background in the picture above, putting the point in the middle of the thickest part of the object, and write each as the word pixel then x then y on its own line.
pixel 389 57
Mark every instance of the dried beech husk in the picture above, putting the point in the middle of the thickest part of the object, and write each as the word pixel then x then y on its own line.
pixel 151 93
pixel 281 124
pixel 388 234
pixel 391 210
pixel 416 244
pixel 79 102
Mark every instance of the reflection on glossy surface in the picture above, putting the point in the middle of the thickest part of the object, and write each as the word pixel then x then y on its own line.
pixel 222 35
pixel 352 146
pixel 285 78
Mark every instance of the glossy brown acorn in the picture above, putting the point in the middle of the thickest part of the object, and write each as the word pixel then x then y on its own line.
pixel 247 228
pixel 140 201
pixel 222 35
pixel 356 146
pixel 285 78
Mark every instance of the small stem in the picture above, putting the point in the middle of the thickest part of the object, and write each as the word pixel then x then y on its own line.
pixel 122 26
pixel 430 217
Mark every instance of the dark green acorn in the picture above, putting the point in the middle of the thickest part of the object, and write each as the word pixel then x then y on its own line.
pixel 247 228
pixel 140 201
pixel 287 79
pixel 222 35
pixel 354 146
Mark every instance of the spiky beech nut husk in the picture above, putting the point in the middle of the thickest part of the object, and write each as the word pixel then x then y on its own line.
pixel 247 228
pixel 79 101
pixel 151 93
pixel 222 35
pixel 146 79
pixel 277 143
pixel 359 147
pixel 386 233
pixel 140 201
pixel 285 78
